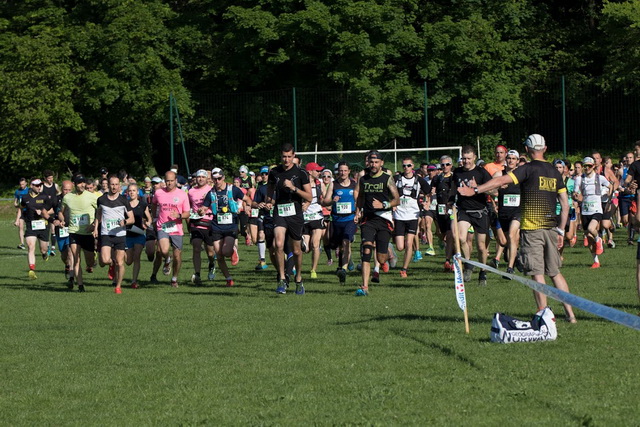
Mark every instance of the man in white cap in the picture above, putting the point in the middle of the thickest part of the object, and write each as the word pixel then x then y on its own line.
pixel 541 234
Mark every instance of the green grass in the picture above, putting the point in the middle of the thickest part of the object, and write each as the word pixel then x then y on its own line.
pixel 214 355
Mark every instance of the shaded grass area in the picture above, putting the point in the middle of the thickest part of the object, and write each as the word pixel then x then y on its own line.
pixel 244 355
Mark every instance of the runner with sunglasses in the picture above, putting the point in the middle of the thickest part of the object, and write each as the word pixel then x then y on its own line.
pixel 36 210
pixel 441 188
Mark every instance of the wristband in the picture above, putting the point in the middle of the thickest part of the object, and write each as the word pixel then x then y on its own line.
pixel 386 205
pixel 475 190
pixel 559 230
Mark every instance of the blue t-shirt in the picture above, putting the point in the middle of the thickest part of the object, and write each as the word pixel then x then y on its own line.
pixel 344 209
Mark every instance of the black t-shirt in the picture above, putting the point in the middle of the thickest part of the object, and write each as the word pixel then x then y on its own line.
pixel 260 196
pixel 540 183
pixel 375 188
pixel 443 185
pixel 634 170
pixel 138 215
pixel 461 176
pixel 221 218
pixel 508 199
pixel 50 191
pixel 298 178
pixel 246 183
pixel 32 203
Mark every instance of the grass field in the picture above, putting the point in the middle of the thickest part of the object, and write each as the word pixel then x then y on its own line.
pixel 244 355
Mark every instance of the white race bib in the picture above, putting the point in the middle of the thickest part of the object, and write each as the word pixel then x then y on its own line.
pixel 193 214
pixel 38 224
pixel 588 207
pixel 225 218
pixel 312 216
pixel 63 232
pixel 286 209
pixel 79 220
pixel 404 201
pixel 434 205
pixel 511 200
pixel 112 224
pixel 343 208
pixel 255 213
pixel 442 209
pixel 169 227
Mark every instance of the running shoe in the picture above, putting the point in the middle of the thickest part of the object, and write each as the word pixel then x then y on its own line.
pixel 45 256
pixel 80 288
pixel 314 275
pixel 282 287
pixel 299 288
pixel 53 252
pixel 117 290
pixel 376 277
pixel 599 247
pixel 351 266
pixel 174 283
pixel 70 283
pixel 519 265
pixel 230 283
pixel 166 268
pixel 393 261
pixel 134 285
pixel 430 251
pixel 362 291
pixel 342 276
pixel 330 262
pixel 419 255
pixel 510 271
pixel 586 241
pixel 66 272
pixel 195 279
pixel 466 275
pixel 32 275
pixel 403 273
pixel 495 263
pixel 482 278
pixel 385 267
pixel 153 279
pixel 595 265
pixel 611 244
pixel 447 266
pixel 21 246
pixel 573 241
pixel 235 258
pixel 212 271
pixel 112 269
pixel 247 241
pixel 261 266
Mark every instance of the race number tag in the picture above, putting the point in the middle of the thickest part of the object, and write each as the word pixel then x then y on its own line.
pixel 39 224
pixel 286 209
pixel 434 205
pixel 112 224
pixel 80 220
pixel 311 216
pixel 442 209
pixel 404 201
pixel 225 218
pixel 63 232
pixel 193 214
pixel 255 213
pixel 169 227
pixel 343 208
pixel 511 200
pixel 588 207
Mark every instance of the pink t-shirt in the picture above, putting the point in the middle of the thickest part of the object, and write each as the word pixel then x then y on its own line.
pixel 170 204
pixel 196 197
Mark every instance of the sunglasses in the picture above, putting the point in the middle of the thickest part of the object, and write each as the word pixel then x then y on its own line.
pixel 446 164
pixel 327 176
pixel 588 166
pixel 407 166
pixel 217 179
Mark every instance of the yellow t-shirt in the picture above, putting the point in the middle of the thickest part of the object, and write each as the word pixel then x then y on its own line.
pixel 82 211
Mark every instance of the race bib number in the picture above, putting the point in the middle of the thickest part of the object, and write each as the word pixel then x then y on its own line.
pixel 63 232
pixel 434 205
pixel 311 216
pixel 39 224
pixel 80 220
pixel 255 213
pixel 112 224
pixel 404 201
pixel 169 227
pixel 193 214
pixel 511 200
pixel 343 208
pixel 442 209
pixel 287 209
pixel 588 207
pixel 225 218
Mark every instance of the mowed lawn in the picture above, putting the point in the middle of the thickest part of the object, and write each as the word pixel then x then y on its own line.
pixel 244 355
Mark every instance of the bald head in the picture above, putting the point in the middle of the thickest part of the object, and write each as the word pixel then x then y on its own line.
pixel 67 187
pixel 170 180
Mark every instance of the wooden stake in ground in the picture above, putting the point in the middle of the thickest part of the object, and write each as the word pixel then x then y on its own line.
pixel 458 277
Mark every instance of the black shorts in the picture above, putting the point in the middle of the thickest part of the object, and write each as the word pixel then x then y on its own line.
pixel 479 220
pixel 42 235
pixel 444 223
pixel 608 213
pixel 624 203
pixel 206 235
pixel 85 241
pixel 403 227
pixel 378 230
pixel 428 213
pixel 253 220
pixel 341 231
pixel 586 219
pixel 118 243
pixel 505 220
pixel 217 234
pixel 293 224
pixel 308 227
pixel 151 233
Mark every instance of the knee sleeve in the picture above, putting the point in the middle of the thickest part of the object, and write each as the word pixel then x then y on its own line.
pixel 367 252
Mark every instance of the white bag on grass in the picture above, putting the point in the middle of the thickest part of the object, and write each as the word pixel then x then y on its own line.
pixel 507 329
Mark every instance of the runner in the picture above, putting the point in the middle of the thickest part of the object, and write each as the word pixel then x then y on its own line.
pixel 171 206
pixel 81 206
pixel 627 195
pixel 590 188
pixel 313 218
pixel 327 179
pixel 223 204
pixel 136 232
pixel 377 195
pixel 151 247
pixel 443 188
pixel 288 187
pixel 112 216
pixel 62 232
pixel 22 191
pixel 472 211
pixel 429 214
pixel 245 183
pixel 410 188
pixel 509 211
pixel 264 222
pixel 50 189
pixel 569 183
pixel 499 161
pixel 541 235
pixel 200 226
pixel 37 208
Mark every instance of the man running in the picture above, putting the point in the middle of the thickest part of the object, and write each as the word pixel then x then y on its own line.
pixel 288 187
pixel 37 208
pixel 112 216
pixel 541 235
pixel 443 186
pixel 23 190
pixel 377 196
pixel 62 232
pixel 509 210
pixel 171 206
pixel 50 188
pixel 313 218
pixel 200 226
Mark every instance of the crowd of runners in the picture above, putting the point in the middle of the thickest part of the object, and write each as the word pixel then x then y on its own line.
pixel 291 209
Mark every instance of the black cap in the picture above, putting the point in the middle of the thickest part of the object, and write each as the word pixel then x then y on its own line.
pixel 103 170
pixel 79 178
pixel 373 154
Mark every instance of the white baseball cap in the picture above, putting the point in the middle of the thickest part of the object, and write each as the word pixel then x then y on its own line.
pixel 535 142
pixel 216 173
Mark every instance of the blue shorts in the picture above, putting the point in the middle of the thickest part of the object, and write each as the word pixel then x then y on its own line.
pixel 63 243
pixel 342 230
pixel 140 239
pixel 624 203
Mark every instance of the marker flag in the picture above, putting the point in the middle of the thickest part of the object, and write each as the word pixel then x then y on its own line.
pixel 458 281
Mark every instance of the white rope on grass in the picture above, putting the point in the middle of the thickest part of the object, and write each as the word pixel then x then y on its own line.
pixel 601 310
